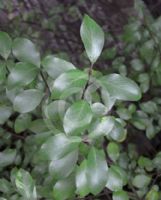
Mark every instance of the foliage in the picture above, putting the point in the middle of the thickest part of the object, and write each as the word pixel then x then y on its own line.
pixel 64 129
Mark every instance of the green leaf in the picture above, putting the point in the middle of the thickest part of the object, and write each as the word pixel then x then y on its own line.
pixel 77 118
pixel 81 179
pixel 99 109
pixel 5 113
pixel 22 74
pixel 69 83
pixel 62 168
pixel 92 37
pixel 101 127
pixel 25 51
pixel 38 126
pixel 118 133
pixel 64 189
pixel 153 194
pixel 120 195
pixel 7 157
pixel 116 178
pixel 141 181
pixel 96 171
pixel 113 151
pixel 55 66
pixel 25 185
pixel 120 87
pixel 22 123
pixel 5 45
pixel 27 100
pixel 58 146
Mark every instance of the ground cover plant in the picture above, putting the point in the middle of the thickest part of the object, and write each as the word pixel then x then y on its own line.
pixel 64 131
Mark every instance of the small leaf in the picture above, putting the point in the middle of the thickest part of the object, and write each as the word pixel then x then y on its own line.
pixel 22 123
pixel 62 168
pixel 27 100
pixel 96 171
pixel 77 117
pixel 5 45
pixel 116 178
pixel 64 189
pixel 7 157
pixel 5 113
pixel 25 185
pixel 58 146
pixel 22 74
pixel 81 179
pixel 141 181
pixel 113 151
pixel 120 87
pixel 120 195
pixel 92 37
pixel 69 83
pixel 153 194
pixel 118 133
pixel 102 127
pixel 24 50
pixel 56 66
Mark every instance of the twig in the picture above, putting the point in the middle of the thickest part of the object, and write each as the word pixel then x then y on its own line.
pixel 88 81
pixel 44 79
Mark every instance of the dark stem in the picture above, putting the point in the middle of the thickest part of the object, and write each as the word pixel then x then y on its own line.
pixel 44 79
pixel 88 81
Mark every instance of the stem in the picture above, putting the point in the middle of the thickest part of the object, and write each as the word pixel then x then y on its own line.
pixel 44 79
pixel 88 81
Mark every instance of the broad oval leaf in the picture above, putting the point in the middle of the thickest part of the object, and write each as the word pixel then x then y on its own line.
pixel 56 66
pixel 116 178
pixel 58 146
pixel 69 83
pixel 7 157
pixel 24 50
pixel 141 180
pixel 5 45
pixel 121 87
pixel 22 123
pixel 81 179
pixel 62 168
pixel 102 127
pixel 92 37
pixel 64 189
pixel 5 113
pixel 77 117
pixel 22 74
pixel 25 185
pixel 27 100
pixel 113 151
pixel 96 171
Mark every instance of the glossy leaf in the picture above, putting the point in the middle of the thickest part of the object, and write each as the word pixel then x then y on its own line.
pixel 56 66
pixel 24 50
pixel 22 123
pixel 7 157
pixel 81 179
pixel 141 181
pixel 64 189
pixel 22 74
pixel 101 127
pixel 113 151
pixel 5 45
pixel 69 83
pixel 92 37
pixel 25 185
pixel 58 146
pixel 77 118
pixel 96 171
pixel 62 168
pixel 27 100
pixel 120 87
